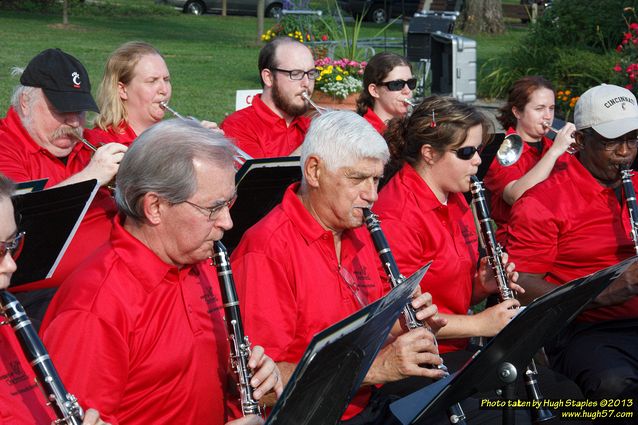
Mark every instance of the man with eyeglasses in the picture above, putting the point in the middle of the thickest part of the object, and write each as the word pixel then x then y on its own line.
pixel 310 262
pixel 40 138
pixel 575 223
pixel 21 402
pixel 275 125
pixel 138 329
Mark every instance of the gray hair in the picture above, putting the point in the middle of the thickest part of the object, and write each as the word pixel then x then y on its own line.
pixel 19 90
pixel 342 138
pixel 161 161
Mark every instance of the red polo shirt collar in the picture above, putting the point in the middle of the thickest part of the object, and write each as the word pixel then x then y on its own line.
pixel 146 266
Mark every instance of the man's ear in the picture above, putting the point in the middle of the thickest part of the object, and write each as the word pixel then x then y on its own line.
pixel 312 170
pixel 153 207
pixel 267 77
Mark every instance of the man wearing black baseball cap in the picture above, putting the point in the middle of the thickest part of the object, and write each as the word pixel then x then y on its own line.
pixel 40 138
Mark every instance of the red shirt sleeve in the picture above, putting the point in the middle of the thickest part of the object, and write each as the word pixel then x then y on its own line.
pixel 101 355
pixel 238 128
pixel 533 236
pixel 268 304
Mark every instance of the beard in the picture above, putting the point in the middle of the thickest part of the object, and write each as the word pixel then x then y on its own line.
pixel 286 105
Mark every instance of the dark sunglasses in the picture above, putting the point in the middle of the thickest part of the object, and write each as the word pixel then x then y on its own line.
pixel 467 152
pixel 13 247
pixel 396 85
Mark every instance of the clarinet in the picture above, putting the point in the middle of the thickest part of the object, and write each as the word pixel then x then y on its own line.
pixel 630 197
pixel 455 412
pixel 239 344
pixel 65 405
pixel 494 251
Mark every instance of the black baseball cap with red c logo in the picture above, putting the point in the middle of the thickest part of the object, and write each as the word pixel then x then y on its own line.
pixel 63 79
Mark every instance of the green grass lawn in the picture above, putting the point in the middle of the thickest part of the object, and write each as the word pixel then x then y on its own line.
pixel 210 57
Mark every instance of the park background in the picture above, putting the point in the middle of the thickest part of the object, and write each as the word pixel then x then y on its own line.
pixel 575 44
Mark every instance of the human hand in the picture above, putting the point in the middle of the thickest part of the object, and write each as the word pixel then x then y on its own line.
pixel 427 312
pixel 247 420
pixel 266 376
pixel 104 163
pixel 488 281
pixel 623 288
pixel 92 417
pixel 408 355
pixel 563 140
pixel 495 318
pixel 211 125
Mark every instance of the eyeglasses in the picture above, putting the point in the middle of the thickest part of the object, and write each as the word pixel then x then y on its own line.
pixel 611 145
pixel 13 247
pixel 467 152
pixel 298 74
pixel 396 85
pixel 359 294
pixel 213 212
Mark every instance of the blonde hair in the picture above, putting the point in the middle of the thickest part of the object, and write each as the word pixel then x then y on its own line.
pixel 119 69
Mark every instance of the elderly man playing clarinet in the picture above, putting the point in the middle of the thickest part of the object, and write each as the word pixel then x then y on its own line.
pixel 138 329
pixel 310 262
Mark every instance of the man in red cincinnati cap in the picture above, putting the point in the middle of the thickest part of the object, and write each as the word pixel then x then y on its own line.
pixel 39 138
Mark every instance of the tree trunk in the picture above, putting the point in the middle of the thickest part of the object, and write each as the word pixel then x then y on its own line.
pixel 261 9
pixel 65 12
pixel 482 16
pixel 224 7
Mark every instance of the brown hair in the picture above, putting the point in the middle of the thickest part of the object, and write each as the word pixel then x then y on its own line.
pixel 519 96
pixel 119 68
pixel 452 121
pixel 379 66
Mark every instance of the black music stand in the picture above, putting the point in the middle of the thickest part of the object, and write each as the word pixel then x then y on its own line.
pixel 337 359
pixel 50 219
pixel 498 364
pixel 261 184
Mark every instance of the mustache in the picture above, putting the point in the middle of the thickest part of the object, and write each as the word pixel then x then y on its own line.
pixel 72 132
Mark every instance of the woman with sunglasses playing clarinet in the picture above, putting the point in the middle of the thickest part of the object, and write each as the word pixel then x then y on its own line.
pixel 529 113
pixel 21 402
pixel 434 152
pixel 387 89
pixel 425 216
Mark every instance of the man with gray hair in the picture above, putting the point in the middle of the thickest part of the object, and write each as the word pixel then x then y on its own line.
pixel 138 329
pixel 310 263
pixel 39 138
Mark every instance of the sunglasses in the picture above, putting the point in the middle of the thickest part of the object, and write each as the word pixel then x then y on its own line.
pixel 467 152
pixel 396 85
pixel 13 247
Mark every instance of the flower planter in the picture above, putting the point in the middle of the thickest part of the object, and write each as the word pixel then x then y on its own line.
pixel 333 102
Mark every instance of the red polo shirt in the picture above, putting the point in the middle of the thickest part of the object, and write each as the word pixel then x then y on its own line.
pixel 21 401
pixel 570 226
pixel 291 285
pixel 140 340
pixel 22 159
pixel 419 229
pixel 124 134
pixel 499 176
pixel 375 121
pixel 261 133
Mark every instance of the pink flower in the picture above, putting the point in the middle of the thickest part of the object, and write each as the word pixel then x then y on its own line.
pixel 617 68
pixel 633 26
pixel 324 37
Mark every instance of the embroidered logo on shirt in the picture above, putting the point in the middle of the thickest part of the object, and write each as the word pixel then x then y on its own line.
pixel 15 376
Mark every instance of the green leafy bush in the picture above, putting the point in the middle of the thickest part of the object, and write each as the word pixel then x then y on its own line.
pixel 572 45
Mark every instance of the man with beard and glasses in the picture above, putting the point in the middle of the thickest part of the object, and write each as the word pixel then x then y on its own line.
pixel 575 223
pixel 39 138
pixel 275 125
